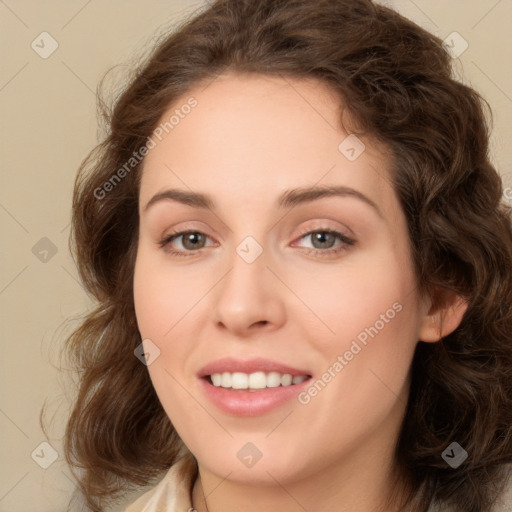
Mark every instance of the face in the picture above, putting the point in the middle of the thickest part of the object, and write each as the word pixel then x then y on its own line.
pixel 284 319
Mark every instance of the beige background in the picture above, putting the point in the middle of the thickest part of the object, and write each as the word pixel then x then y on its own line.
pixel 48 124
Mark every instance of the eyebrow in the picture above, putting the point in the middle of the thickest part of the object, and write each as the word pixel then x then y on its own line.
pixel 289 199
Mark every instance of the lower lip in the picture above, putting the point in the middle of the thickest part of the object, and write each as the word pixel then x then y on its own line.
pixel 250 403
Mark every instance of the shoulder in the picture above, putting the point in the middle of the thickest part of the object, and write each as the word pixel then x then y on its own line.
pixel 503 502
pixel 172 493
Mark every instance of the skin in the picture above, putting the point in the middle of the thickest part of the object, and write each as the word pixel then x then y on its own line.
pixel 249 139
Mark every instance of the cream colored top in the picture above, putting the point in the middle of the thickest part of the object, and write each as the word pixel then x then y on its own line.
pixel 173 493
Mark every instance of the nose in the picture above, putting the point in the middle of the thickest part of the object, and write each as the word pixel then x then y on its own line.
pixel 249 299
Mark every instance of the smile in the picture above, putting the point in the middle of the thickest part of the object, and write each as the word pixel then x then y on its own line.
pixel 256 380
pixel 250 388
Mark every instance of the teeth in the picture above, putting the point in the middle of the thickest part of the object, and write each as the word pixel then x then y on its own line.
pixel 256 380
pixel 286 380
pixel 273 380
pixel 217 379
pixel 225 380
pixel 239 380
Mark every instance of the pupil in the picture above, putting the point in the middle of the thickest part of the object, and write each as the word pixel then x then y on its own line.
pixel 192 239
pixel 321 237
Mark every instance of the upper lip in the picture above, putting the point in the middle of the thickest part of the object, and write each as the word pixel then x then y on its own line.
pixel 232 365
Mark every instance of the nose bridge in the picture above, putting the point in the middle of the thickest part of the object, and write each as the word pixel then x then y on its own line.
pixel 249 243
pixel 248 263
pixel 247 295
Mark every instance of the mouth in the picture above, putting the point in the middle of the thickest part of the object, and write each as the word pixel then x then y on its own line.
pixel 251 388
pixel 240 381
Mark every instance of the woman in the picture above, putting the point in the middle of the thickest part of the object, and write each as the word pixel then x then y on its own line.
pixel 303 269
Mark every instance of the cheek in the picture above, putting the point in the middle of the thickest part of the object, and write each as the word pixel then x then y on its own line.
pixel 373 311
pixel 167 303
pixel 369 318
pixel 376 291
pixel 163 296
pixel 158 308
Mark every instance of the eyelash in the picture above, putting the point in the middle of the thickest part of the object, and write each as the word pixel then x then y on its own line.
pixel 345 242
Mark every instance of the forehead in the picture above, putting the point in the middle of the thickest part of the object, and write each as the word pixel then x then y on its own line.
pixel 252 135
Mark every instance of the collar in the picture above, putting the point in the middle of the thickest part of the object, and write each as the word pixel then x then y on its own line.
pixel 173 493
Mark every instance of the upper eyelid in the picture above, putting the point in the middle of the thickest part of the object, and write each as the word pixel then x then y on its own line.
pixel 322 226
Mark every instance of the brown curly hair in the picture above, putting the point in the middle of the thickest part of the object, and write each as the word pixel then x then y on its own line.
pixel 396 80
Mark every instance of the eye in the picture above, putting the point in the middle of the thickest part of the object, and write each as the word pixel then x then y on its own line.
pixel 190 241
pixel 323 241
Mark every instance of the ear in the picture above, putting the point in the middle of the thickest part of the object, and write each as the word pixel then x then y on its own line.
pixel 443 314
